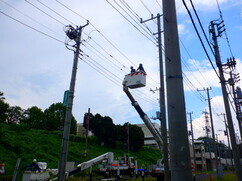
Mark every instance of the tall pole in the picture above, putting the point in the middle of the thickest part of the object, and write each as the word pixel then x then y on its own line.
pixel 162 105
pixel 180 161
pixel 162 116
pixel 235 147
pixel 232 81
pixel 87 121
pixel 74 34
pixel 227 134
pixel 194 156
pixel 208 142
pixel 212 125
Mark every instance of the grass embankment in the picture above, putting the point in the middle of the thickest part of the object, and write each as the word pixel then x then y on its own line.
pixel 17 141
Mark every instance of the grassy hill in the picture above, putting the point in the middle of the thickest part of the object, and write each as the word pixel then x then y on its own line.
pixel 18 141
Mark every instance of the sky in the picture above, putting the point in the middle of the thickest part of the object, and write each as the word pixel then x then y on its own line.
pixel 36 65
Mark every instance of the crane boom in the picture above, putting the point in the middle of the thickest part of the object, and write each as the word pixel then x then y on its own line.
pixel 145 118
pixel 85 165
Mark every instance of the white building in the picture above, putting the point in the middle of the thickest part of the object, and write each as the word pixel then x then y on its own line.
pixel 149 139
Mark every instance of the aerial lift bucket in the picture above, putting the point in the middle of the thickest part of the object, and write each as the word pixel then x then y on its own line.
pixel 135 80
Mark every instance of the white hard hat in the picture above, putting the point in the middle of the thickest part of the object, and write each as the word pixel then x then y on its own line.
pixel 34 160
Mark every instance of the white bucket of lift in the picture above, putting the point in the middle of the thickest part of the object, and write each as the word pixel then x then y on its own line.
pixel 135 80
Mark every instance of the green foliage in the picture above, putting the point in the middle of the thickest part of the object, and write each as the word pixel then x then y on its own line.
pixel 55 117
pixel 15 114
pixel 104 129
pixel 136 137
pixel 19 141
pixel 3 110
pixel 35 117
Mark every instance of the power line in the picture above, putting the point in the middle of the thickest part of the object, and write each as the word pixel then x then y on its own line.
pixel 129 21
pixel 31 18
pixel 200 38
pixel 55 12
pixel 227 39
pixel 31 27
pixel 44 12
pixel 201 26
pixel 112 44
pixel 146 7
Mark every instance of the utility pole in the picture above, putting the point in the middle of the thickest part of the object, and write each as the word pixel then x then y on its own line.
pixel 235 147
pixel 207 133
pixel 180 161
pixel 212 126
pixel 73 34
pixel 162 99
pixel 194 156
pixel 227 134
pixel 234 78
pixel 86 123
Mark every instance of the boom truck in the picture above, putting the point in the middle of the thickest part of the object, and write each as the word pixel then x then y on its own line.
pixel 136 80
pixel 44 174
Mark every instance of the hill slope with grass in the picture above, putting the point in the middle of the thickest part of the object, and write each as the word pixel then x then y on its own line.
pixel 18 141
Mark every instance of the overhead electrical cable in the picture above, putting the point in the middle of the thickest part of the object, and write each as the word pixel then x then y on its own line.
pixel 55 12
pixel 227 39
pixel 126 5
pixel 130 22
pixel 44 12
pixel 114 46
pixel 149 32
pixel 32 18
pixel 31 27
pixel 204 48
pixel 201 26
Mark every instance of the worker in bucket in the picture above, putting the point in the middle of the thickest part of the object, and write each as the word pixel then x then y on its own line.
pixel 140 68
pixel 132 70
pixel 33 166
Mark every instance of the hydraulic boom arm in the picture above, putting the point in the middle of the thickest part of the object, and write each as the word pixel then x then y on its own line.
pixel 145 118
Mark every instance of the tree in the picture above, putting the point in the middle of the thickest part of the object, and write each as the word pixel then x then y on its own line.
pixel 55 118
pixel 34 117
pixel 1 96
pixel 15 114
pixel 3 111
pixel 104 129
pixel 3 108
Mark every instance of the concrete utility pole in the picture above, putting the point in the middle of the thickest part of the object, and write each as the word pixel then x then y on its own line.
pixel 231 63
pixel 180 161
pixel 194 156
pixel 73 34
pixel 162 105
pixel 212 126
pixel 208 130
pixel 162 99
pixel 227 134
pixel 235 147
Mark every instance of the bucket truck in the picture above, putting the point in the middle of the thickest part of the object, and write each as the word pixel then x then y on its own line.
pixel 137 80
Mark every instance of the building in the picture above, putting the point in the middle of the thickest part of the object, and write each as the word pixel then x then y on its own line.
pixel 200 155
pixel 81 131
pixel 149 140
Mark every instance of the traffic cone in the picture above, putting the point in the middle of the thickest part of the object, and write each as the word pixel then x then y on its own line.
pixel 210 178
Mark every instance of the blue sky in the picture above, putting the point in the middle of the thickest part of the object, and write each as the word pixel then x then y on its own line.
pixel 35 69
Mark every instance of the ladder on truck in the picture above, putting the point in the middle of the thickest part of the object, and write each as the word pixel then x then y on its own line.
pixel 137 80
